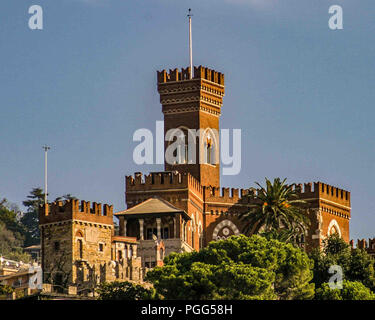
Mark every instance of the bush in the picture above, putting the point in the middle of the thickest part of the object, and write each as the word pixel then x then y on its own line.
pixel 357 264
pixel 124 291
pixel 239 267
pixel 352 290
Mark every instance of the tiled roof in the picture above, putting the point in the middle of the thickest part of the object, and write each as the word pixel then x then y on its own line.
pixel 152 206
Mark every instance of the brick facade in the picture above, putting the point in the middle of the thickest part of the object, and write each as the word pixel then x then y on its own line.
pixel 78 240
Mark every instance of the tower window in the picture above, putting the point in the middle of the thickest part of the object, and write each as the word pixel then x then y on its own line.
pixel 192 237
pixel 101 247
pixel 165 233
pixel 80 249
pixel 209 150
pixel 57 245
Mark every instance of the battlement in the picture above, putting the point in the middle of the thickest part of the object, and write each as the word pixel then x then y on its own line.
pixel 363 244
pixel 229 195
pixel 73 209
pixel 199 73
pixel 308 190
pixel 162 180
pixel 323 190
pixel 157 180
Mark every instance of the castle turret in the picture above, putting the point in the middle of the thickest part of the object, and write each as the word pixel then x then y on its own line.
pixel 194 104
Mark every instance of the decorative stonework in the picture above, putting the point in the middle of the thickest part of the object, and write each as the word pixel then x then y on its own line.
pixel 333 225
pixel 319 218
pixel 225 229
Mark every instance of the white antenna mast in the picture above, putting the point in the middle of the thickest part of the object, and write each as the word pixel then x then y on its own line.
pixel 46 148
pixel 190 45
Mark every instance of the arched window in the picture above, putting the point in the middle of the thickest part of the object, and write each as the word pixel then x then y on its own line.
pixel 80 249
pixel 179 139
pixel 209 150
pixel 209 143
pixel 192 237
pixel 200 235
pixel 333 228
pixel 184 231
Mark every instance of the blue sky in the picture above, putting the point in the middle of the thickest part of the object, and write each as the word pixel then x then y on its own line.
pixel 301 93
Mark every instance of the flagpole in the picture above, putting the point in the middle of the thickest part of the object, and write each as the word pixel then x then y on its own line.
pixel 190 45
pixel 46 148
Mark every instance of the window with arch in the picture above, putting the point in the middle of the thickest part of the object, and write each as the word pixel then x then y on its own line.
pixel 209 150
pixel 192 237
pixel 210 142
pixel 181 141
pixel 80 248
pixel 184 230
pixel 333 230
pixel 200 236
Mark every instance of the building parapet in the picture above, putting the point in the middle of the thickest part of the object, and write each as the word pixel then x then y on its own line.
pixel 323 190
pixel 157 180
pixel 73 209
pixel 199 73
pixel 316 190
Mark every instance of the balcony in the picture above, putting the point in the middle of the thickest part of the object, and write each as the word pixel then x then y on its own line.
pixel 178 245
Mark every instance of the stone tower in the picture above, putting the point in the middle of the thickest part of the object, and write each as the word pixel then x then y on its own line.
pixel 194 104
pixel 75 240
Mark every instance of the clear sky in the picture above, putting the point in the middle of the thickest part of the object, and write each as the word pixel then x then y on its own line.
pixel 302 94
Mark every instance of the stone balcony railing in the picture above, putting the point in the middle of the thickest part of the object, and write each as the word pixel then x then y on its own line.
pixel 171 245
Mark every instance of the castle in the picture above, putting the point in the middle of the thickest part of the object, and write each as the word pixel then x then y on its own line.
pixel 178 210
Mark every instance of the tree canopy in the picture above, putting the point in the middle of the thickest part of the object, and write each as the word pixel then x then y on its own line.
pixel 30 219
pixel 124 291
pixel 239 267
pixel 351 290
pixel 276 208
pixel 357 264
pixel 12 233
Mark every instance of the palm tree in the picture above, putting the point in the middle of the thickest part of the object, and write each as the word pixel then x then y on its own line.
pixel 277 212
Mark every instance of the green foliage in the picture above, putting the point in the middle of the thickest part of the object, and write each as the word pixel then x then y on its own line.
pixel 67 196
pixel 357 264
pixel 283 235
pixel 5 290
pixel 239 267
pixel 9 217
pixel 335 245
pixel 277 207
pixel 124 291
pixel 11 233
pixel 30 219
pixel 351 290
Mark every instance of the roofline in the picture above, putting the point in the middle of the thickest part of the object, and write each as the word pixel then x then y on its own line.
pixel 144 215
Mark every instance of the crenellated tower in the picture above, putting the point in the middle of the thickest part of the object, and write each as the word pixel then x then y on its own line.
pixel 194 103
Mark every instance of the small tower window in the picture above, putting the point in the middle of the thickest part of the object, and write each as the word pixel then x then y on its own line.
pixel 101 247
pixel 209 150
pixel 57 245
pixel 80 249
